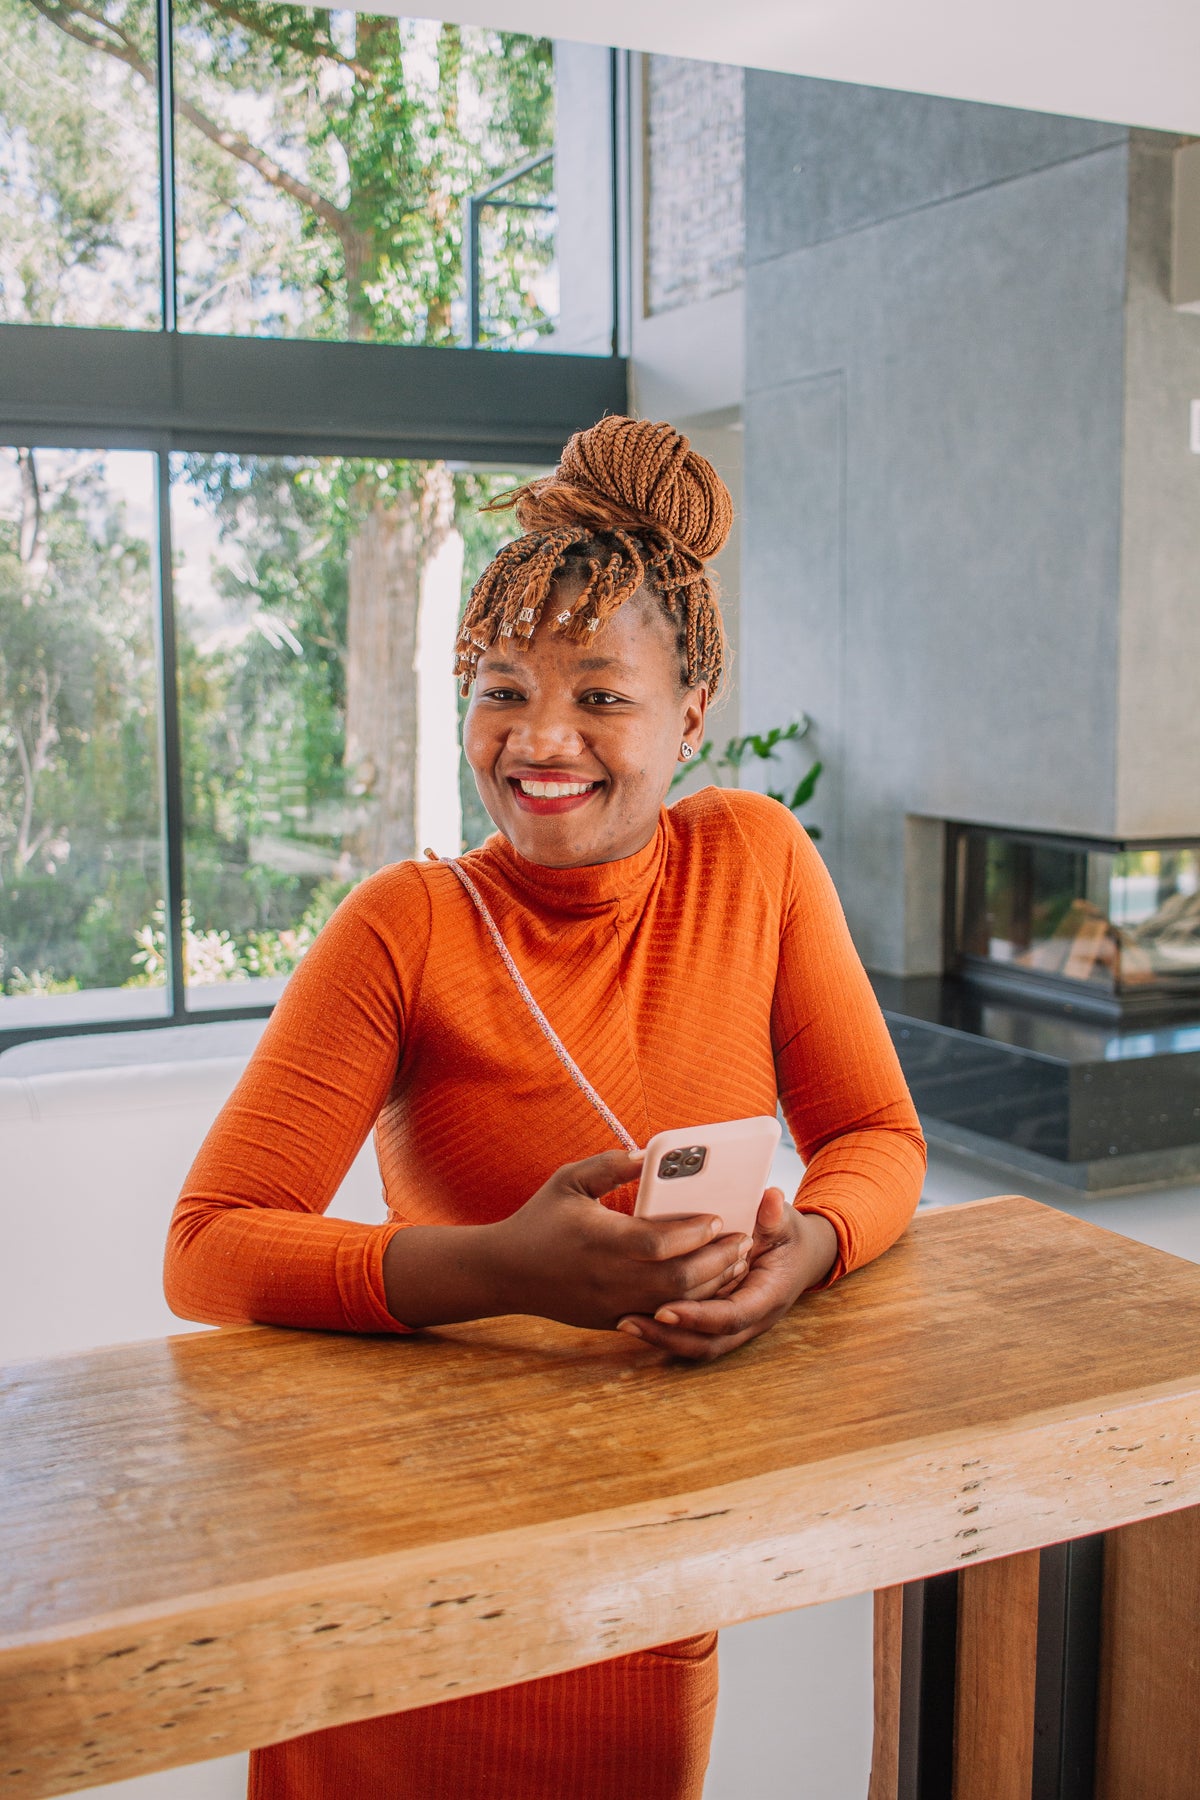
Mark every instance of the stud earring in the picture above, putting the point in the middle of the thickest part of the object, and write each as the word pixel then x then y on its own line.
pixel 686 752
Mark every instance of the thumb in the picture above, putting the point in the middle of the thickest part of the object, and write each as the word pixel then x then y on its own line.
pixel 597 1175
pixel 771 1210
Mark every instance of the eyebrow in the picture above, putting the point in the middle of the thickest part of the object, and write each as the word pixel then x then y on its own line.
pixel 590 663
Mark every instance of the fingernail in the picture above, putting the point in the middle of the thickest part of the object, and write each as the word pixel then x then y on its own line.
pixel 739 1268
pixel 629 1326
pixel 716 1227
pixel 746 1246
pixel 665 1316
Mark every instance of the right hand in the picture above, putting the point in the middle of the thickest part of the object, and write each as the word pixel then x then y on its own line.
pixel 565 1256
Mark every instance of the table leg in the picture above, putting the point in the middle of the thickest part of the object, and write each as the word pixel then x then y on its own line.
pixel 986 1680
pixel 1148 1742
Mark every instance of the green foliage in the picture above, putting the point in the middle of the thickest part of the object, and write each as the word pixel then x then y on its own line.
pixel 78 223
pixel 323 163
pixel 78 756
pixel 726 765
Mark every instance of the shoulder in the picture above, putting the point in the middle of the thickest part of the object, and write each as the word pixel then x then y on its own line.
pixel 390 909
pixel 748 840
pixel 763 826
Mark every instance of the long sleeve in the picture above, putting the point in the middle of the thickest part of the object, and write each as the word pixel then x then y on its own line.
pixel 840 1084
pixel 247 1240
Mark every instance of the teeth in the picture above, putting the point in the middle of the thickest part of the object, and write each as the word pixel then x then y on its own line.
pixel 554 790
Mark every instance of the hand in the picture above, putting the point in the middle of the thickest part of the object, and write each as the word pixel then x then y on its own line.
pixel 791 1252
pixel 561 1256
pixel 565 1256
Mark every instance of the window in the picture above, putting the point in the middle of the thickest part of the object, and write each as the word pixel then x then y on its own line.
pixel 230 570
pixel 329 174
pixel 79 215
pixel 81 846
pixel 314 602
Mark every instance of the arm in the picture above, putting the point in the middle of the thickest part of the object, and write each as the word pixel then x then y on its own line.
pixel 846 1102
pixel 248 1240
pixel 840 1084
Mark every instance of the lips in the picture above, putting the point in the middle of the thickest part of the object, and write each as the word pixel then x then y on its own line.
pixel 546 794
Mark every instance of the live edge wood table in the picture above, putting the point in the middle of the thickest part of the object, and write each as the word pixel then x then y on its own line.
pixel 223 1539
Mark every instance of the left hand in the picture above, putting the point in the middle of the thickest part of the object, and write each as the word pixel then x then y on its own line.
pixel 792 1250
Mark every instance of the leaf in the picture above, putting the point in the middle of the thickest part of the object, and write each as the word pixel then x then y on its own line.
pixel 806 787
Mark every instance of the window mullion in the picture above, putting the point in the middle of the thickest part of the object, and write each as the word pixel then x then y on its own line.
pixel 170 747
pixel 166 160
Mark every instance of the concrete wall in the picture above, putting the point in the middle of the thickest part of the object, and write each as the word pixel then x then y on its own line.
pixel 934 415
pixel 1158 761
pixel 694 235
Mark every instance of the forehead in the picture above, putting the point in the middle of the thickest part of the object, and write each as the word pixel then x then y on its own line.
pixel 634 643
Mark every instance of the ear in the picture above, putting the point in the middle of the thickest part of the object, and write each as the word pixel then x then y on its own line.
pixel 695 706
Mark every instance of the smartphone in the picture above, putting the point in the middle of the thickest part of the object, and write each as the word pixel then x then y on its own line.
pixel 721 1169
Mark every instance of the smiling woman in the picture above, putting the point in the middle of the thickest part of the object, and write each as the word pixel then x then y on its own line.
pixel 695 965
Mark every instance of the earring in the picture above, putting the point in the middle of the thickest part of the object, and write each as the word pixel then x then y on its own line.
pixel 686 752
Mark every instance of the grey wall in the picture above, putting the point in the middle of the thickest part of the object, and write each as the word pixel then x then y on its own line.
pixel 1158 763
pixel 934 400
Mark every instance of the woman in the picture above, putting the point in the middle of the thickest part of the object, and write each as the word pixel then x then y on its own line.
pixel 694 964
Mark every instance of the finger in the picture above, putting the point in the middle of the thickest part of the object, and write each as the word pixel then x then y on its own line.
pixel 598 1175
pixel 755 1298
pixel 698 1277
pixel 663 1240
pixel 694 1346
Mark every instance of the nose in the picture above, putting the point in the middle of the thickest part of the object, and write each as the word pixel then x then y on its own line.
pixel 543 732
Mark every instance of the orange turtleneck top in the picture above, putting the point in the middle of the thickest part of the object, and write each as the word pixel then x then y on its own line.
pixel 692 982
pixel 702 979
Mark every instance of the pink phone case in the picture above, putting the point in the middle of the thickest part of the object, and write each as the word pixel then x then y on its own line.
pixel 721 1169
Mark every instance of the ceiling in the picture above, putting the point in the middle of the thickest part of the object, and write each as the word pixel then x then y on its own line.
pixel 1138 63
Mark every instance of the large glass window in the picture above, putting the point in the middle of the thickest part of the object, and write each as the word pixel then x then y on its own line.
pixel 79 218
pixel 316 601
pixel 81 855
pixel 225 674
pixel 335 174
pixel 325 164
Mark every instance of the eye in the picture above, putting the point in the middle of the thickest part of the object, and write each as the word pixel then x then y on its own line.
pixel 600 697
pixel 502 693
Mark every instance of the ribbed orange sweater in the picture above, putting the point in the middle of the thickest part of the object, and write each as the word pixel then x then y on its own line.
pixel 696 981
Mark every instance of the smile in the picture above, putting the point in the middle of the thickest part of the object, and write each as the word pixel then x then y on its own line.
pixel 534 796
pixel 556 790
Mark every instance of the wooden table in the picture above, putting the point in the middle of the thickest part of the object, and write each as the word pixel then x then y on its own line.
pixel 221 1540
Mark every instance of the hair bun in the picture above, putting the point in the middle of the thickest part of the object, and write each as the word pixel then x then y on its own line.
pixel 627 473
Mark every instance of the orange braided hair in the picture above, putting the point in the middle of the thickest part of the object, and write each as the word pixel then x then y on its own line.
pixel 636 506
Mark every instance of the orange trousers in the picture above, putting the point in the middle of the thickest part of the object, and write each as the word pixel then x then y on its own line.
pixel 634 1728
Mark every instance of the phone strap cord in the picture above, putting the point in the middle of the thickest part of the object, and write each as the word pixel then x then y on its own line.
pixel 544 1026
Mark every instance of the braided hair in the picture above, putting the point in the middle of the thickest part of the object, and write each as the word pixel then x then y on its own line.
pixel 630 505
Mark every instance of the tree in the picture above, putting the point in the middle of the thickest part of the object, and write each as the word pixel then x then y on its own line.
pixel 78 774
pixel 323 163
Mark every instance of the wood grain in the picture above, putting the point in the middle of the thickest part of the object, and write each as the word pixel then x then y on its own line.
pixel 221 1540
pixel 1148 1740
pixel 885 1745
pixel 995 1675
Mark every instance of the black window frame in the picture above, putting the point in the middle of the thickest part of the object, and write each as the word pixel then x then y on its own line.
pixel 162 391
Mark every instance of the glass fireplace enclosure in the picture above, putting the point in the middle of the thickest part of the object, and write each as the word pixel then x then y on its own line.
pixel 1104 926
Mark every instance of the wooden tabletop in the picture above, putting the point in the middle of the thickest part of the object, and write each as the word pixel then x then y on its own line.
pixel 223 1539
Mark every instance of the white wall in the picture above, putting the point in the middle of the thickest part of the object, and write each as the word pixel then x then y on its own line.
pixel 1130 60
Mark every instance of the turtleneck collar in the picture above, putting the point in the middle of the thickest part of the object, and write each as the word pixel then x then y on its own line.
pixel 589 888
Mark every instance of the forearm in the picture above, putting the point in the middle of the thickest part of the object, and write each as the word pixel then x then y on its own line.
pixel 227 1263
pixel 444 1274
pixel 866 1185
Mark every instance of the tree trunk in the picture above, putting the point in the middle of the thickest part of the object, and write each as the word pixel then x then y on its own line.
pixel 398 538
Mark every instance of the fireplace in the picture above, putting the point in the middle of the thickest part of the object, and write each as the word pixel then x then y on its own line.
pixel 1088 926
pixel 1063 1038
